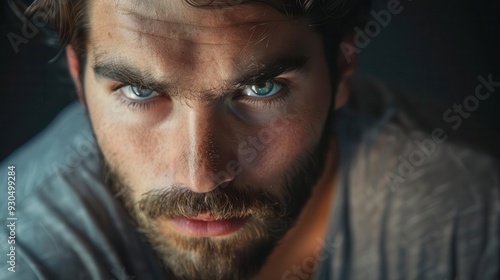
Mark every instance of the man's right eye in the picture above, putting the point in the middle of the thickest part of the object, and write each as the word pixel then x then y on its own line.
pixel 138 93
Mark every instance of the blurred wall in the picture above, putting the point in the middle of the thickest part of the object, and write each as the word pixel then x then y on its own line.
pixel 435 51
pixel 32 90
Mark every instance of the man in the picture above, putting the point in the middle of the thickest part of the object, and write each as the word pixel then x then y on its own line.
pixel 213 142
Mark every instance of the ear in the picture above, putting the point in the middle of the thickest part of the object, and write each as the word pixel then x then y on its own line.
pixel 74 70
pixel 346 64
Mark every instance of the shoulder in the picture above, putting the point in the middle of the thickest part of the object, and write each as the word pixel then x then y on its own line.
pixel 67 223
pixel 64 147
pixel 429 201
pixel 405 149
pixel 392 135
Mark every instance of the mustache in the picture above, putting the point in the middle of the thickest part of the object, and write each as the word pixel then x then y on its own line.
pixel 225 202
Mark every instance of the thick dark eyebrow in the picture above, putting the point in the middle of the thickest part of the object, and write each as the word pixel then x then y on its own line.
pixel 128 74
pixel 267 72
pixel 256 74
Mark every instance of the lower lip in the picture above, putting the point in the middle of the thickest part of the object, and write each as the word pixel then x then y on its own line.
pixel 195 227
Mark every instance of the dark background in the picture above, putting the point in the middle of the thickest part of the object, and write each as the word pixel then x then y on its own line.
pixel 431 50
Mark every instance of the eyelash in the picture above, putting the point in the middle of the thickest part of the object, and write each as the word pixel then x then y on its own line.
pixel 275 101
pixel 134 105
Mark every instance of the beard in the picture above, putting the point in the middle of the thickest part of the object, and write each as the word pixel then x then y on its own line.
pixel 238 255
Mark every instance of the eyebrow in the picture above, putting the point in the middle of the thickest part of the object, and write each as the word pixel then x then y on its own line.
pixel 253 74
pixel 128 74
pixel 269 71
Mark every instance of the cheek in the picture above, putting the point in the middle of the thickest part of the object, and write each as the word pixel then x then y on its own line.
pixel 129 147
pixel 271 151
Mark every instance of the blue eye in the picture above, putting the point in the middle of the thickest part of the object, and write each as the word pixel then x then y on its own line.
pixel 262 90
pixel 138 93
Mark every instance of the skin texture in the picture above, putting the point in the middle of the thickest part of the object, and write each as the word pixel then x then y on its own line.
pixel 199 132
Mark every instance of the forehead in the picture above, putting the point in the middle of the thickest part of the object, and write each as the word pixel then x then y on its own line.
pixel 172 32
pixel 210 15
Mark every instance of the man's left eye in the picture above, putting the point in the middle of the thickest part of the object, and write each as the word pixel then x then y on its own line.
pixel 262 90
pixel 138 93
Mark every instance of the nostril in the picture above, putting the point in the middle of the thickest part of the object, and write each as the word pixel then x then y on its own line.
pixel 222 178
pixel 225 184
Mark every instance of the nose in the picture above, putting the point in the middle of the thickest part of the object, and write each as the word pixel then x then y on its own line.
pixel 206 152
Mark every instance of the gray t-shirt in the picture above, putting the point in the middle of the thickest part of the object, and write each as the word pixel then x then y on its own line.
pixel 410 209
pixel 407 206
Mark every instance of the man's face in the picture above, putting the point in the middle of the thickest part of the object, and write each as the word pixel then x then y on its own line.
pixel 211 123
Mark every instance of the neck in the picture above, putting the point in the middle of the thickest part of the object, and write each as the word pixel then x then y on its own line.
pixel 296 254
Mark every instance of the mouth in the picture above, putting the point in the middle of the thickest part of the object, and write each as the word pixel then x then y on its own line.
pixel 204 225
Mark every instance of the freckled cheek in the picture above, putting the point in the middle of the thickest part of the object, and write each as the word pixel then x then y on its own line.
pixel 135 150
pixel 146 161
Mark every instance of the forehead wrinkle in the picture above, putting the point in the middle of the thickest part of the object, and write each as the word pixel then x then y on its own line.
pixel 178 39
pixel 192 52
pixel 235 34
pixel 140 18
pixel 246 46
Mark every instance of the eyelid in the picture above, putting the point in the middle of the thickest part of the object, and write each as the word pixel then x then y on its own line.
pixel 249 88
pixel 123 83
pixel 259 80
pixel 122 88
